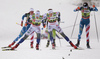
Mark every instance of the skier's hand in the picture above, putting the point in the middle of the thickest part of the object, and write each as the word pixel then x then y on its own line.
pixel 93 6
pixel 44 25
pixel 74 10
pixel 78 8
pixel 25 24
pixel 21 23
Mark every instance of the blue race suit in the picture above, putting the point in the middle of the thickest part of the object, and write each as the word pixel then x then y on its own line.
pixel 24 29
pixel 85 21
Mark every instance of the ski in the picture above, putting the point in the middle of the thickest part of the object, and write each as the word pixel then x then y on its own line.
pixel 53 49
pixel 79 48
pixel 5 47
pixel 8 50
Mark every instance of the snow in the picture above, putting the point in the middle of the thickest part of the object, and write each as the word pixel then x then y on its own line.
pixel 11 12
pixel 25 52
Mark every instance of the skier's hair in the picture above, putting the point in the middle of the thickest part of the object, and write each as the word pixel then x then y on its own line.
pixel 49 9
pixel 31 9
pixel 85 4
pixel 37 11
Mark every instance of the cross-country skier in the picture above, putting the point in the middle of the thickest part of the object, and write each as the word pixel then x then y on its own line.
pixel 53 34
pixel 35 21
pixel 24 29
pixel 51 18
pixel 85 10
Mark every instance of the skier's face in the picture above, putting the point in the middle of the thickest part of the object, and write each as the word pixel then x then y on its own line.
pixel 37 14
pixel 50 11
pixel 31 12
pixel 85 8
pixel 50 14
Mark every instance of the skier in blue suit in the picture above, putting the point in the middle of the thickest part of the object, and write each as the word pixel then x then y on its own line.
pixel 85 10
pixel 24 29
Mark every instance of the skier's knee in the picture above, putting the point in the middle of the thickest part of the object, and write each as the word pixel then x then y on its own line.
pixel 25 37
pixel 38 35
pixel 63 34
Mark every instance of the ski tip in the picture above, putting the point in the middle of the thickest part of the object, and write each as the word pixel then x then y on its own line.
pixel 70 50
pixel 63 58
pixel 8 50
pixel 80 49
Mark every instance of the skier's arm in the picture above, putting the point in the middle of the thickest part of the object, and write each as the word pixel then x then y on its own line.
pixel 77 9
pixel 44 20
pixel 27 21
pixel 25 15
pixel 94 8
pixel 44 23
pixel 59 18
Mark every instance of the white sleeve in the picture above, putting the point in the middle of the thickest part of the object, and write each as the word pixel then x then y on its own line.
pixel 45 16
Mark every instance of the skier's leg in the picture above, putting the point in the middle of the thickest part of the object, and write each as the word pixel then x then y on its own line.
pixel 48 40
pixel 32 40
pixel 66 38
pixel 54 35
pixel 50 28
pixel 21 33
pixel 19 36
pixel 87 25
pixel 80 31
pixel 81 26
pixel 29 31
pixel 22 40
pixel 38 31
pixel 38 41
pixel 51 39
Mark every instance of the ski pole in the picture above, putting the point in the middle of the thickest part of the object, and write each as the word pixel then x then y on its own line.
pixel 69 26
pixel 74 24
pixel 18 23
pixel 96 27
pixel 59 40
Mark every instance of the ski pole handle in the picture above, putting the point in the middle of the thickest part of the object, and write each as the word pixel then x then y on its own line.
pixel 18 24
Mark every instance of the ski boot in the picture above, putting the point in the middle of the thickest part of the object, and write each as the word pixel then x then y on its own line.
pixel 54 43
pixel 11 44
pixel 31 44
pixel 78 43
pixel 53 46
pixel 37 46
pixel 48 42
pixel 13 48
pixel 88 46
pixel 75 47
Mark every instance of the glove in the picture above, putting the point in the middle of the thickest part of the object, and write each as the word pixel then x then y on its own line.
pixel 25 24
pixel 21 23
pixel 93 6
pixel 74 10
pixel 78 8
pixel 44 25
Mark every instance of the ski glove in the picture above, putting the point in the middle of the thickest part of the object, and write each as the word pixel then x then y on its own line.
pixel 21 23
pixel 44 25
pixel 74 10
pixel 93 6
pixel 25 24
